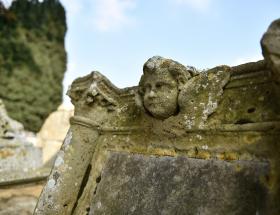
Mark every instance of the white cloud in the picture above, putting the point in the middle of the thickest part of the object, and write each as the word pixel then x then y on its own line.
pixel 112 14
pixel 195 4
pixel 7 3
pixel 248 59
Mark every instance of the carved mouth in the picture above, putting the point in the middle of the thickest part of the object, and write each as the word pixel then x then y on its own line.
pixel 154 104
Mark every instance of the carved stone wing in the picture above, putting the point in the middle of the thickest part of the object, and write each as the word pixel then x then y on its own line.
pixel 201 94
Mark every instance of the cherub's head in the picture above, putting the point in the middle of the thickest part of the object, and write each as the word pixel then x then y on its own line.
pixel 160 86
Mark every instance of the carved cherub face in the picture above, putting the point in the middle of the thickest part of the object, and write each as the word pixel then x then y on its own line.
pixel 160 86
pixel 160 94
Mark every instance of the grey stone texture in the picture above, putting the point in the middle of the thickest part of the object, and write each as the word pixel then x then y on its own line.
pixel 141 184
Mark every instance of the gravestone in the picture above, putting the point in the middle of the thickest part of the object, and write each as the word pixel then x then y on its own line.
pixel 21 173
pixel 17 154
pixel 182 142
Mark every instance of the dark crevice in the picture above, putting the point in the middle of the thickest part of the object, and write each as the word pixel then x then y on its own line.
pixel 177 111
pixel 98 179
pixel 211 115
pixel 56 177
pixel 87 210
pixel 243 121
pixel 94 192
pixel 82 187
pixel 251 110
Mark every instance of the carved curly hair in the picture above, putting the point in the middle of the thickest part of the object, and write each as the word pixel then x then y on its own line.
pixel 178 71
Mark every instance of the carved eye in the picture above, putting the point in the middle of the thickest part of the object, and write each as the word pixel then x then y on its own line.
pixel 159 86
pixel 147 88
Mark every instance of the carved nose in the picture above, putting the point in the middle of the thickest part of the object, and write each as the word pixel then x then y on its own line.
pixel 152 94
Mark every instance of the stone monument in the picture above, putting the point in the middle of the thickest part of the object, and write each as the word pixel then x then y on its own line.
pixel 182 142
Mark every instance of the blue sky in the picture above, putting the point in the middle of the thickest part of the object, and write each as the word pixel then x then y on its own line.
pixel 116 37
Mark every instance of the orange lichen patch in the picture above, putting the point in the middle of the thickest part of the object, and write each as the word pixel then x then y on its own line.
pixel 231 156
pixel 250 139
pixel 151 151
pixel 202 154
pixel 4 153
pixel 165 152
pixel 161 152
pixel 140 150
pixel 220 156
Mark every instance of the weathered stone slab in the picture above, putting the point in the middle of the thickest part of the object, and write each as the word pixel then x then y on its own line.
pixel 140 184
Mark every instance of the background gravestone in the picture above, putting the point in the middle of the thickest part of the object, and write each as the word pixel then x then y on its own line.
pixel 22 175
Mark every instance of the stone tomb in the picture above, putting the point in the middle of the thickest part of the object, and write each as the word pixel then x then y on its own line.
pixel 182 142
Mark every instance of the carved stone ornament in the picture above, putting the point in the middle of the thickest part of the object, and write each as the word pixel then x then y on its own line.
pixel 182 142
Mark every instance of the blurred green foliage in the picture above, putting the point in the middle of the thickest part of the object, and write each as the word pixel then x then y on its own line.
pixel 32 59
